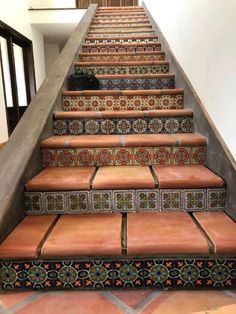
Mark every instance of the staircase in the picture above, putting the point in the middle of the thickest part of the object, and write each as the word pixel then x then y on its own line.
pixel 124 199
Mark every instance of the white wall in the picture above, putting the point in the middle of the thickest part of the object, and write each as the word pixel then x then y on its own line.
pixel 16 14
pixel 51 53
pixel 36 4
pixel 202 36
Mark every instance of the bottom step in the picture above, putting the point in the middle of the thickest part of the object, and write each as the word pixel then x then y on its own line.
pixel 140 250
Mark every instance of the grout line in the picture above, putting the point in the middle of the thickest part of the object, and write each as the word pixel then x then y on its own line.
pixel 124 234
pixel 35 296
pixel 211 245
pixel 46 235
pixel 156 181
pixel 116 301
pixel 92 177
pixel 147 301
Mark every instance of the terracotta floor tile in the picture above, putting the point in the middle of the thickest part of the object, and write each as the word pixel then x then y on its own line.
pixel 132 298
pixel 188 302
pixel 62 179
pixel 221 229
pixel 123 177
pixel 10 299
pixel 72 303
pixel 136 140
pixel 84 235
pixel 194 176
pixel 163 233
pixel 24 240
pixel 190 139
pixel 228 309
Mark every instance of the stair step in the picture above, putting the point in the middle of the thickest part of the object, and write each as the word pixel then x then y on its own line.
pixel 120 35
pixel 124 20
pixel 123 122
pixel 125 39
pixel 133 149
pixel 142 23
pixel 136 82
pixel 124 189
pixel 164 234
pixel 102 100
pixel 122 57
pixel 119 14
pixel 123 68
pixel 150 234
pixel 115 31
pixel 125 8
pixel 120 47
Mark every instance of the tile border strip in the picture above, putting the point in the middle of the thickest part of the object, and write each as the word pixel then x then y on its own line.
pixel 124 201
pixel 130 273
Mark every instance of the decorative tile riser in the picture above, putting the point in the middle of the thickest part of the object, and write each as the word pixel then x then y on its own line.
pixel 123 70
pixel 113 48
pixel 124 156
pixel 131 273
pixel 137 83
pixel 103 103
pixel 116 31
pixel 121 58
pixel 96 25
pixel 124 126
pixel 121 27
pixel 115 21
pixel 122 201
pixel 107 35
pixel 121 40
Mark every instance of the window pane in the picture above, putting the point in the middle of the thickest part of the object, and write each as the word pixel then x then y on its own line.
pixel 6 71
pixel 20 75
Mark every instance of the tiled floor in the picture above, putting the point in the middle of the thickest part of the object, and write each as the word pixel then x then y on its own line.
pixel 119 302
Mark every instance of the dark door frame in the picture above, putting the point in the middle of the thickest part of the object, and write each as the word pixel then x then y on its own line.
pixel 14 37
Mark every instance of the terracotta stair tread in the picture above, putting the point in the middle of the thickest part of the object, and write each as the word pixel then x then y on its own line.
pixel 62 179
pixel 221 230
pixel 132 140
pixel 124 38
pixel 85 235
pixel 24 241
pixel 121 63
pixel 123 114
pixel 193 176
pixel 123 177
pixel 117 92
pixel 133 44
pixel 123 53
pixel 164 234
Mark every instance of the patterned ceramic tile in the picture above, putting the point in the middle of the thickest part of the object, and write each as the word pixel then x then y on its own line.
pixel 194 200
pixel 147 200
pixel 75 127
pixel 199 155
pixel 117 40
pixel 102 103
pixel 55 202
pixel 60 127
pixel 216 199
pixel 137 83
pixel 175 273
pixel 124 201
pixel 120 58
pixel 34 203
pixel 114 70
pixel 78 202
pixel 144 156
pixel 101 201
pixel 171 200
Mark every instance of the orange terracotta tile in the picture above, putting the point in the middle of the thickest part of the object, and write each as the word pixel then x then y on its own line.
pixel 164 233
pixel 190 139
pixel 228 309
pixel 188 302
pixel 132 298
pixel 10 299
pixel 123 177
pixel 84 235
pixel 221 229
pixel 24 240
pixel 71 303
pixel 62 179
pixel 136 140
pixel 194 176
pixel 65 141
